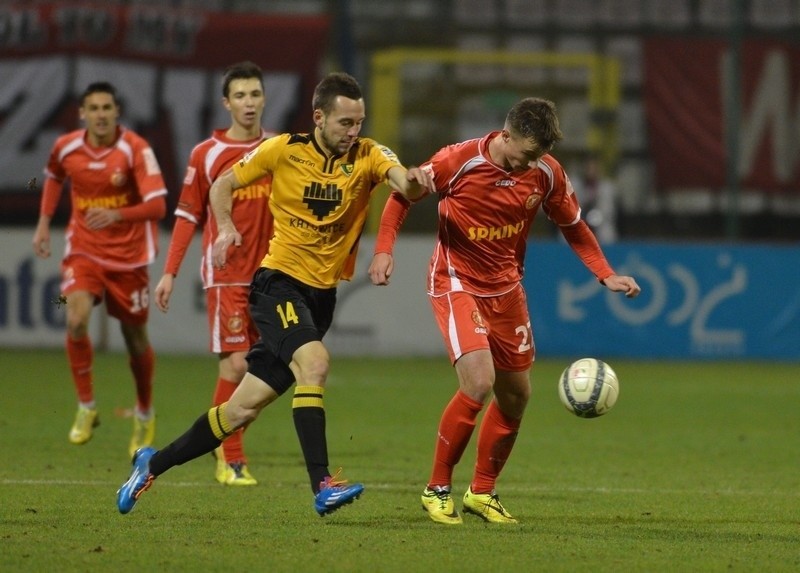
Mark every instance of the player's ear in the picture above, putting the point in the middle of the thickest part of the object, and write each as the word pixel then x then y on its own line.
pixel 319 116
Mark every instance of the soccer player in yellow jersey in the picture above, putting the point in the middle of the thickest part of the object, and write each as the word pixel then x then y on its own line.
pixel 321 186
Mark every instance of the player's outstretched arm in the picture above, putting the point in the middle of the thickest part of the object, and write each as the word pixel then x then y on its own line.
pixel 182 233
pixel 622 283
pixel 413 183
pixel 164 291
pixel 51 194
pixel 394 213
pixel 381 268
pixel 221 200
pixel 41 237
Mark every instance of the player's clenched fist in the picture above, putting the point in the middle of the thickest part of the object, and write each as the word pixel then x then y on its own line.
pixel 225 239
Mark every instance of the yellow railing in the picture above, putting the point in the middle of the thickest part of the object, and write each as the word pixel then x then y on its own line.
pixel 385 102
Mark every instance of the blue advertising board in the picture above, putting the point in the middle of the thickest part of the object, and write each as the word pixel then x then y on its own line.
pixel 698 302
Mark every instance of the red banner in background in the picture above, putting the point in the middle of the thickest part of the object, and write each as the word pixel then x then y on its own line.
pixel 685 107
pixel 166 64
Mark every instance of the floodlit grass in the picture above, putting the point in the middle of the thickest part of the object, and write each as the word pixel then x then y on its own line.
pixel 695 469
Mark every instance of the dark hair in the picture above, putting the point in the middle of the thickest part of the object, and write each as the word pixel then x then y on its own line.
pixel 102 88
pixel 241 71
pixel 335 84
pixel 535 119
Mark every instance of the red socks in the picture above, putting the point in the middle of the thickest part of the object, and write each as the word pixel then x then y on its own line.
pixel 496 438
pixel 455 429
pixel 142 367
pixel 80 355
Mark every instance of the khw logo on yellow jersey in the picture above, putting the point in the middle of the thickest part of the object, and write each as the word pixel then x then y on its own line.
pixel 347 169
pixel 321 199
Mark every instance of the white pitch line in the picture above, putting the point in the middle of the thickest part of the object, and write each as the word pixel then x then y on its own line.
pixel 395 487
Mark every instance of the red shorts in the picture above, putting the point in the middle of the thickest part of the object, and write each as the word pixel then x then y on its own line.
pixel 126 293
pixel 229 321
pixel 498 323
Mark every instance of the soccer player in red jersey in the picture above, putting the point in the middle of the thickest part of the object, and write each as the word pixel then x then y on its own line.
pixel 490 190
pixel 227 289
pixel 117 196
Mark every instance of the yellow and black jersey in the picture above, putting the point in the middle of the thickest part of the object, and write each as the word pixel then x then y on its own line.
pixel 318 202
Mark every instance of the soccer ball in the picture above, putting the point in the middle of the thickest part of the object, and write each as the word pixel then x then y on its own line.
pixel 588 388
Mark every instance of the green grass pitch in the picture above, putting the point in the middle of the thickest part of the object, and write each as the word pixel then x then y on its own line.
pixel 697 468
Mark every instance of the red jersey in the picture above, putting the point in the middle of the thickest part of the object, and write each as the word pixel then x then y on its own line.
pixel 124 174
pixel 485 213
pixel 249 212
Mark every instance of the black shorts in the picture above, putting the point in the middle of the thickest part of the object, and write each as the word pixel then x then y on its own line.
pixel 288 314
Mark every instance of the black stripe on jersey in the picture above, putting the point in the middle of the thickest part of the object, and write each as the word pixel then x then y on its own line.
pixel 317 147
pixel 305 139
pixel 330 162
pixel 327 166
pixel 300 138
pixel 351 155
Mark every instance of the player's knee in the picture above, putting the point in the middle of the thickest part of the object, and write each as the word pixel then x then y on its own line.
pixel 522 394
pixel 478 388
pixel 77 327
pixel 513 400
pixel 239 415
pixel 271 371
pixel 138 347
pixel 238 366
pixel 310 364
pixel 311 371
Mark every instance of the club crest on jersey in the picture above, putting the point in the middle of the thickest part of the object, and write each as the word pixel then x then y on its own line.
pixel 118 178
pixel 321 199
pixel 480 327
pixel 347 168
pixel 532 201
pixel 235 323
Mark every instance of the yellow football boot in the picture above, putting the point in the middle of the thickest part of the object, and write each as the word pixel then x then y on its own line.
pixel 144 433
pixel 234 473
pixel 85 421
pixel 487 506
pixel 440 507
